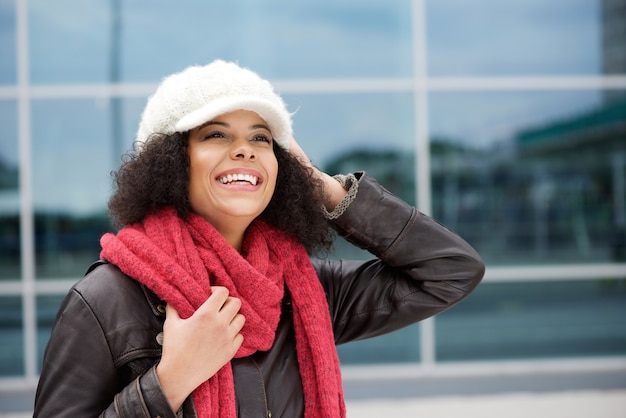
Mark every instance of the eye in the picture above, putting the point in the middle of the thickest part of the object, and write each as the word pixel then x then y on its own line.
pixel 262 138
pixel 213 135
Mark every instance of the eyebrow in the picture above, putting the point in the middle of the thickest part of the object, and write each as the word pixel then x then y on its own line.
pixel 227 125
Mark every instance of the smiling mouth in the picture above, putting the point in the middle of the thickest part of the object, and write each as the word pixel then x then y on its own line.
pixel 239 179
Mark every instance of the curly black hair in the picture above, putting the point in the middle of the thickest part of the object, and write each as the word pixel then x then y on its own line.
pixel 158 176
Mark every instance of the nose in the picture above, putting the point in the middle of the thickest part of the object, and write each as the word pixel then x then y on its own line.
pixel 242 150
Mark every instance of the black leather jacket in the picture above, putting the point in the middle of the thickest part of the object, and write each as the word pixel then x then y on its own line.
pixel 100 360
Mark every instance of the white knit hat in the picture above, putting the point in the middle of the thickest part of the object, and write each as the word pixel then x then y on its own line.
pixel 198 94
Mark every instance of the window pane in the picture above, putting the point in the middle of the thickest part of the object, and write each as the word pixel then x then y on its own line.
pixel 73 155
pixel 346 132
pixel 8 67
pixel 277 38
pixel 69 41
pixel 613 19
pixel 515 37
pixel 12 337
pixel 402 346
pixel 342 133
pixel 531 177
pixel 534 320
pixel 9 195
pixel 47 307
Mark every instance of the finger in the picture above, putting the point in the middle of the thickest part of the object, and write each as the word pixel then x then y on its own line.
pixel 231 309
pixel 238 322
pixel 170 312
pixel 219 295
pixel 237 341
pixel 220 291
pixel 232 304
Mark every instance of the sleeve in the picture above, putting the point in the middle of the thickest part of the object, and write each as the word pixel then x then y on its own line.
pixel 421 267
pixel 79 377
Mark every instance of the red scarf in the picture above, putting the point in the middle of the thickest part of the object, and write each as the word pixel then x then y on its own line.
pixel 179 261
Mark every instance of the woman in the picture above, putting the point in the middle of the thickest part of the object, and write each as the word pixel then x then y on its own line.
pixel 206 302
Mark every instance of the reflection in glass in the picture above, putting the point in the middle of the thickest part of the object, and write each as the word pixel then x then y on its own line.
pixel 402 346
pixel 9 193
pixel 47 307
pixel 277 38
pixel 72 161
pixel 374 132
pixel 613 17
pixel 8 56
pixel 536 320
pixel 514 38
pixel 12 337
pixel 531 177
pixel 129 41
pixel 365 131
pixel 342 133
pixel 65 48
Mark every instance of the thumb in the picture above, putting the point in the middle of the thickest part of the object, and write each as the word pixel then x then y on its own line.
pixel 170 312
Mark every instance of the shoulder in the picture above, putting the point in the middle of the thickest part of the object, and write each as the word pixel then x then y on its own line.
pixel 110 294
pixel 105 280
pixel 127 313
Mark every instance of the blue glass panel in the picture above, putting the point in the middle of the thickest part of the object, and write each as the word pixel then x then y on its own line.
pixel 75 147
pixel 532 177
pixel 8 57
pixel 515 37
pixel 402 346
pixel 364 131
pixel 535 320
pixel 144 40
pixel 9 193
pixel 69 41
pixel 342 133
pixel 47 307
pixel 277 38
pixel 12 337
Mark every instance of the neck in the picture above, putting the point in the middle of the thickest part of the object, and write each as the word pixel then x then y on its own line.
pixel 236 240
pixel 233 232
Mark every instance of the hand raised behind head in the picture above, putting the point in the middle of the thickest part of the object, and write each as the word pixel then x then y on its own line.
pixel 333 190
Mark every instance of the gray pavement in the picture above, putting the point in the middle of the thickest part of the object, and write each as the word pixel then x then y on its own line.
pixel 553 395
pixel 568 404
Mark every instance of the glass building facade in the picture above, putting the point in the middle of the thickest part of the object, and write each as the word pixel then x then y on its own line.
pixel 504 120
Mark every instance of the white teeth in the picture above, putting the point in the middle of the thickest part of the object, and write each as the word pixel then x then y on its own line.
pixel 229 178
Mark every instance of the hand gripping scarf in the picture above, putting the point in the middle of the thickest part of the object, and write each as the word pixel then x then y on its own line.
pixel 179 261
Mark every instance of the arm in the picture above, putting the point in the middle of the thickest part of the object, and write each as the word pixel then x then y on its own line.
pixel 79 376
pixel 422 268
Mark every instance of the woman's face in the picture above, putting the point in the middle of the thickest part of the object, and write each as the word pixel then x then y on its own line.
pixel 233 169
